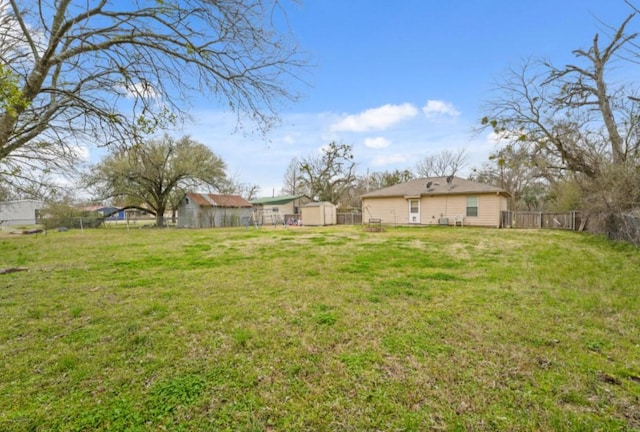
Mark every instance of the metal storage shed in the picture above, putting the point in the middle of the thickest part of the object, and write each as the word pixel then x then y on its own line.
pixel 202 210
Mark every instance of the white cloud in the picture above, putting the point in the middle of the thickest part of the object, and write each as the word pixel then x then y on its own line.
pixel 382 161
pixel 504 137
pixel 437 108
pixel 377 143
pixel 288 139
pixel 263 161
pixel 81 153
pixel 142 89
pixel 376 118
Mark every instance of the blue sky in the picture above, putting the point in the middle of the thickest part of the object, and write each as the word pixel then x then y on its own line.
pixel 403 80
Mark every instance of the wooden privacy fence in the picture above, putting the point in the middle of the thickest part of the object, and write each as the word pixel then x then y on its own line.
pixel 572 220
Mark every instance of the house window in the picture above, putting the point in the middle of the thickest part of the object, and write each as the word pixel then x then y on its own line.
pixel 414 206
pixel 472 206
pixel 186 201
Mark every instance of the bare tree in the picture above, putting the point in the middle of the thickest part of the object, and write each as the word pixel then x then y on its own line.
pixel 510 168
pixel 373 181
pixel 580 127
pixel 105 72
pixel 443 164
pixel 570 118
pixel 328 177
pixel 232 185
pixel 379 180
pixel 291 179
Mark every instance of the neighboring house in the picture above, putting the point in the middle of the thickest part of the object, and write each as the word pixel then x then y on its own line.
pixel 200 210
pixel 111 213
pixel 440 200
pixel 319 213
pixel 20 212
pixel 282 209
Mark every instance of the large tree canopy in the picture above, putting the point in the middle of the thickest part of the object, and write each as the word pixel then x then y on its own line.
pixel 103 72
pixel 154 172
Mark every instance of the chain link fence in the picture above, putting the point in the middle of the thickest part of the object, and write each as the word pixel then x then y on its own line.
pixel 620 227
pixel 10 224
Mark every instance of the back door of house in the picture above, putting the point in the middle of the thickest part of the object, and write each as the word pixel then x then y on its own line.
pixel 414 211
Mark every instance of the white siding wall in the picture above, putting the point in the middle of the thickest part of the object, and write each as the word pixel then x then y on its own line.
pixel 489 207
pixel 20 212
pixel 268 216
pixel 436 207
pixel 393 210
pixel 284 209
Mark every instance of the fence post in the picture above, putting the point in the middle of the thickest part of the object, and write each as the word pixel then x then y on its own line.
pixel 572 222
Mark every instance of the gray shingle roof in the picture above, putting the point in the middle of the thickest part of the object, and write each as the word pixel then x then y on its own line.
pixel 437 186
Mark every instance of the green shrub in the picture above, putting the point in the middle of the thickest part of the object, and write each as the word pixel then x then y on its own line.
pixel 62 215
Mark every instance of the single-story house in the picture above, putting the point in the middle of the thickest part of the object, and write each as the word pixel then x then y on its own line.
pixel 280 209
pixel 437 201
pixel 319 213
pixel 201 210
pixel 20 212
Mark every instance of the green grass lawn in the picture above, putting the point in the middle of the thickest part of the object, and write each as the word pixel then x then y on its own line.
pixel 319 329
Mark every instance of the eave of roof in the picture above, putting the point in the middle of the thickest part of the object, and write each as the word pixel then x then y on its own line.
pixel 286 199
pixel 319 204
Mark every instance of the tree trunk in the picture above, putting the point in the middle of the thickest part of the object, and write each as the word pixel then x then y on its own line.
pixel 160 216
pixel 609 120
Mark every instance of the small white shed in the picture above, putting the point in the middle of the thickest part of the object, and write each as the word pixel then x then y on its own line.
pixel 319 213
